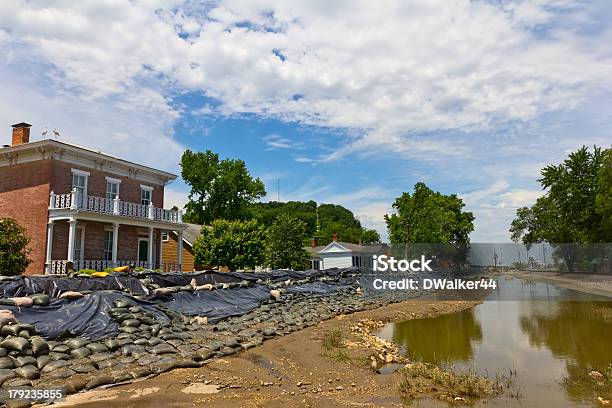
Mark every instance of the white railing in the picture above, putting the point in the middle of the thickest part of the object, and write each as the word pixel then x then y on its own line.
pixel 60 267
pixel 74 201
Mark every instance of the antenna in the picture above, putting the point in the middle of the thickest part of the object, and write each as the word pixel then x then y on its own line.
pixel 44 133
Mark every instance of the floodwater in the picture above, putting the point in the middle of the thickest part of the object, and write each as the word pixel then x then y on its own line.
pixel 552 337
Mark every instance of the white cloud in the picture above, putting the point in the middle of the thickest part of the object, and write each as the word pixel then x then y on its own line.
pixel 394 79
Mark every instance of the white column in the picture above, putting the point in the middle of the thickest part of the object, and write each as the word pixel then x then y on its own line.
pixel 179 256
pixel 49 246
pixel 71 238
pixel 161 250
pixel 52 199
pixel 150 248
pixel 115 241
pixel 73 199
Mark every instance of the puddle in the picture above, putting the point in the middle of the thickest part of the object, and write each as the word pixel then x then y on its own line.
pixel 552 343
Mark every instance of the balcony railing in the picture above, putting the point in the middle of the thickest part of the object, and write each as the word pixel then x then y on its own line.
pixel 60 267
pixel 75 201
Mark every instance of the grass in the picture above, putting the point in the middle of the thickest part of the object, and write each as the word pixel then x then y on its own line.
pixel 332 346
pixel 447 384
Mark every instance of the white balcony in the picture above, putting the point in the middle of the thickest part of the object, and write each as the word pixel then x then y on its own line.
pixel 101 205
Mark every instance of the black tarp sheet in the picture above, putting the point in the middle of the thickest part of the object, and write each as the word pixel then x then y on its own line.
pixel 87 317
pixel 218 304
pixel 56 285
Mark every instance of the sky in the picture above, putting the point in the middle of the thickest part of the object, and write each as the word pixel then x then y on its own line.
pixel 345 102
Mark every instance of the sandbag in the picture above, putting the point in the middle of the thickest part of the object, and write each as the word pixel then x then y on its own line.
pixel 71 295
pixel 15 344
pixel 22 301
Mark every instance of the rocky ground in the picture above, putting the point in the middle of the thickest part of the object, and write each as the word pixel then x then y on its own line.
pixel 300 369
pixel 148 346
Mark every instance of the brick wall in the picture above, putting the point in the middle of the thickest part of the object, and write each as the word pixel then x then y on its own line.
pixel 129 189
pixel 24 196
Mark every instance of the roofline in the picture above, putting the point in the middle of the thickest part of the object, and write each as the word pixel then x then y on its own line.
pixel 87 151
pixel 184 239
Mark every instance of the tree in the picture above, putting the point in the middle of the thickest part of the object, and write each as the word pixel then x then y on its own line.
pixel 14 249
pixel 575 208
pixel 219 189
pixel 429 217
pixel 603 200
pixel 235 244
pixel 332 219
pixel 285 240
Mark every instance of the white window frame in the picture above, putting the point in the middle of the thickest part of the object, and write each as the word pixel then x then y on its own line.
pixel 115 182
pixel 138 254
pixel 82 248
pixel 85 175
pixel 109 251
pixel 146 188
pixel 165 236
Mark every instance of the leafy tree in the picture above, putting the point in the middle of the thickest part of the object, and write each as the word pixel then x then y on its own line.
pixel 266 213
pixel 333 219
pixel 285 243
pixel 235 244
pixel 13 248
pixel 219 189
pixel 603 200
pixel 427 216
pixel 574 210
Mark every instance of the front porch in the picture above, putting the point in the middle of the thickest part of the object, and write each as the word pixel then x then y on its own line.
pixel 99 233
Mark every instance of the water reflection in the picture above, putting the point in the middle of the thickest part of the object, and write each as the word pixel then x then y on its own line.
pixel 437 340
pixel 551 341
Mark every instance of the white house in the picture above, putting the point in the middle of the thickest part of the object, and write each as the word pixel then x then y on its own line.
pixel 343 255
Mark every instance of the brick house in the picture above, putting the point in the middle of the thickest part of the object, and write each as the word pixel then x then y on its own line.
pixel 86 207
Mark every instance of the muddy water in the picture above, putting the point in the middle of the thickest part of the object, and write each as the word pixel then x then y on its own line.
pixel 552 342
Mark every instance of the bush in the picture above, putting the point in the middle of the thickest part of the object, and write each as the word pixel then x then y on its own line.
pixel 14 249
pixel 285 242
pixel 235 244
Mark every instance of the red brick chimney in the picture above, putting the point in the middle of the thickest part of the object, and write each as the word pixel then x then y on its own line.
pixel 335 237
pixel 314 242
pixel 21 133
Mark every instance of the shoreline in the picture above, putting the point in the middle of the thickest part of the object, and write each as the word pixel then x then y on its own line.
pixel 285 371
pixel 600 285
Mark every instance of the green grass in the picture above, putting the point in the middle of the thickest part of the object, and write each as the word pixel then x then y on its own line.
pixel 332 346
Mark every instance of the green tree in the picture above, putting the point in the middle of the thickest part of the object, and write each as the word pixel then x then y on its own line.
pixel 220 189
pixel 285 240
pixel 573 210
pixel 429 217
pixel 332 219
pixel 603 200
pixel 235 244
pixel 14 249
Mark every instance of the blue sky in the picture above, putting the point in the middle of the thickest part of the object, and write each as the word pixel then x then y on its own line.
pixel 345 102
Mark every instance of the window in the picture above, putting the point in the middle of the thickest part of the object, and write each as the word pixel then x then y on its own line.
pixel 316 265
pixel 108 245
pixel 112 188
pixel 79 182
pixel 146 194
pixel 78 243
pixel 357 261
pixel 164 236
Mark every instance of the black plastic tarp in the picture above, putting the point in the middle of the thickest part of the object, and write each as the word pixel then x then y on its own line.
pixel 56 285
pixel 218 304
pixel 87 317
